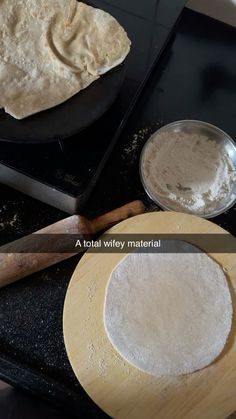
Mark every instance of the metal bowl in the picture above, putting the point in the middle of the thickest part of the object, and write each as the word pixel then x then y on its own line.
pixel 213 133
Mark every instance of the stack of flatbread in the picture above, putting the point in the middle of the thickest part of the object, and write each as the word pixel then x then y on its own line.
pixel 52 49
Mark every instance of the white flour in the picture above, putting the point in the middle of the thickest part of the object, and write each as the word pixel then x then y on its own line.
pixel 189 169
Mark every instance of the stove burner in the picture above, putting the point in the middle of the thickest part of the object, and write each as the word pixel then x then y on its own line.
pixel 63 173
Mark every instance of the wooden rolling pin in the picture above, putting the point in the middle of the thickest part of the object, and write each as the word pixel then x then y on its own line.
pixel 14 266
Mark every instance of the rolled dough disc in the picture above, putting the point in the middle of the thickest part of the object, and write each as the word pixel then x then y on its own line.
pixel 51 50
pixel 168 314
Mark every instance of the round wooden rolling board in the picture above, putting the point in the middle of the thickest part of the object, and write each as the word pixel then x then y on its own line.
pixel 119 388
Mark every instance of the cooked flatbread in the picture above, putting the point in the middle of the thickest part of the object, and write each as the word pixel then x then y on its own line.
pixel 52 49
pixel 168 314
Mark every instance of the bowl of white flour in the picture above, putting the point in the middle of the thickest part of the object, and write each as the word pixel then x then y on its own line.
pixel 190 166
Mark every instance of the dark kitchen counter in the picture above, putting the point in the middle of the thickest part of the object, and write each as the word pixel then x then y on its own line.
pixel 195 79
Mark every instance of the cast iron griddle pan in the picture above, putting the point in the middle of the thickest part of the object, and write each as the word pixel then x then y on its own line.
pixel 66 119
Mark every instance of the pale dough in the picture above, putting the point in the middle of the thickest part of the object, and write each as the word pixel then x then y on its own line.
pixel 50 50
pixel 168 314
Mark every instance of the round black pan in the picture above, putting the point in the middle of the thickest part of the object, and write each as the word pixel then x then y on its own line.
pixel 66 119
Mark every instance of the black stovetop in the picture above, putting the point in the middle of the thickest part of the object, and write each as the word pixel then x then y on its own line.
pixel 194 79
pixel 63 173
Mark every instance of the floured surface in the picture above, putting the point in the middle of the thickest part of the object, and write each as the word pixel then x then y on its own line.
pixel 168 314
pixel 119 388
pixel 49 51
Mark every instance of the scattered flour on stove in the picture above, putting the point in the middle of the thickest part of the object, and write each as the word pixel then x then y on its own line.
pixel 134 142
pixel 189 169
pixel 9 223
